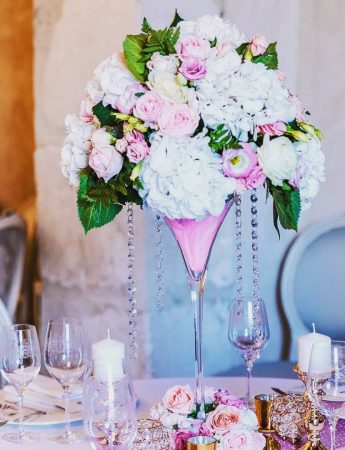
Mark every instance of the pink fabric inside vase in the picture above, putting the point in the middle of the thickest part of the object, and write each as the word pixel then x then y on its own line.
pixel 196 238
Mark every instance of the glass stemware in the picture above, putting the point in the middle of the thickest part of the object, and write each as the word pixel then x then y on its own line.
pixel 65 360
pixel 20 366
pixel 326 382
pixel 248 333
pixel 109 413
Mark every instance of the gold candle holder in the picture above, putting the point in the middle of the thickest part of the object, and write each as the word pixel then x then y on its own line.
pixel 314 420
pixel 263 406
pixel 201 443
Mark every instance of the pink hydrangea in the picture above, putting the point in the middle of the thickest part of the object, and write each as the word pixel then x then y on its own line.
pixel 223 397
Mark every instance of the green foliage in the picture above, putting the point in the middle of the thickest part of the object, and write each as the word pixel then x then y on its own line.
pixel 208 408
pixel 133 47
pixel 104 114
pixel 176 20
pixel 161 41
pixel 286 206
pixel 213 43
pixel 221 138
pixel 269 57
pixel 95 205
pixel 241 50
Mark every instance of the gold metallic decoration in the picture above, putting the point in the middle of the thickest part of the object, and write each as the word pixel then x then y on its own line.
pixel 288 414
pixel 201 443
pixel 263 406
pixel 271 444
pixel 314 420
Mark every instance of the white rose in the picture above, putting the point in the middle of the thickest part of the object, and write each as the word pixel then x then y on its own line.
pixel 165 84
pixel 121 145
pixel 101 138
pixel 278 159
pixel 160 63
pixel 249 418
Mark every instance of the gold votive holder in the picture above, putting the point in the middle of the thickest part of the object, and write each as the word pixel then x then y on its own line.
pixel 263 407
pixel 202 443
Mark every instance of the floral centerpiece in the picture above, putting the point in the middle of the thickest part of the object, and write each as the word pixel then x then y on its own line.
pixel 228 419
pixel 185 117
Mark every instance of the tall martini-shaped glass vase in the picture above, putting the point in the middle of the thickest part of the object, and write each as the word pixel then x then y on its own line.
pixel 196 239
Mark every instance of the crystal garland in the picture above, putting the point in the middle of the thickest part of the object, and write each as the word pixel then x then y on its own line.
pixel 159 264
pixel 238 235
pixel 132 302
pixel 255 247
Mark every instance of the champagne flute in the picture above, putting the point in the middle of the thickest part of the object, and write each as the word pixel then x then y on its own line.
pixel 65 360
pixel 248 333
pixel 20 366
pixel 326 382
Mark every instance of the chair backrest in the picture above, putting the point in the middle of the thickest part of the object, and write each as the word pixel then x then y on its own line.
pixel 12 257
pixel 313 282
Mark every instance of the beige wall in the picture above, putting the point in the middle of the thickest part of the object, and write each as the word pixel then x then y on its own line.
pixel 16 94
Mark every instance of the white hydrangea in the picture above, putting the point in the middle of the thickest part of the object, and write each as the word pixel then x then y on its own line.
pixel 184 178
pixel 249 95
pixel 76 148
pixel 311 168
pixel 111 79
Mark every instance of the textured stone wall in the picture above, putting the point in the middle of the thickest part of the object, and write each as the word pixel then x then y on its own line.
pixel 16 112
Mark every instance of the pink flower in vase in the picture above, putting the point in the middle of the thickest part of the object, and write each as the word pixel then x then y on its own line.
pixel 181 437
pixel 193 47
pixel 300 110
pixel 193 69
pixel 148 107
pixel 137 148
pixel 126 101
pixel 241 437
pixel 222 419
pixel 178 120
pixel 258 45
pixel 223 397
pixel 255 179
pixel 272 129
pixel 238 163
pixel 179 399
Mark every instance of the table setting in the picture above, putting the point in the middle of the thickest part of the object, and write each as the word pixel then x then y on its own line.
pixel 182 122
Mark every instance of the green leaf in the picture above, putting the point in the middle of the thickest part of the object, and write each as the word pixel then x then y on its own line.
pixel 269 58
pixel 221 139
pixel 242 48
pixel 176 20
pixel 286 206
pixel 213 43
pixel 133 46
pixel 146 27
pixel 104 114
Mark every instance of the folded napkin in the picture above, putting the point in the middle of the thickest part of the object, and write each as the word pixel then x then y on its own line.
pixel 45 394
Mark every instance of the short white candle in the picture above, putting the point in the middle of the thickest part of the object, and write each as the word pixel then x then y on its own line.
pixel 108 355
pixel 305 345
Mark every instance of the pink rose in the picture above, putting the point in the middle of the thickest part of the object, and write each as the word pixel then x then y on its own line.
pixel 222 419
pixel 126 101
pixel 193 69
pixel 137 151
pixel 255 179
pixel 193 47
pixel 134 136
pixel 105 161
pixel 272 129
pixel 300 110
pixel 223 397
pixel 179 399
pixel 148 107
pixel 258 45
pixel 238 163
pixel 178 120
pixel 243 438
pixel 181 437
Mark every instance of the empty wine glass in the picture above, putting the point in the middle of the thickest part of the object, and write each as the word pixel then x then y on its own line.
pixel 248 333
pixel 65 360
pixel 109 413
pixel 326 381
pixel 21 363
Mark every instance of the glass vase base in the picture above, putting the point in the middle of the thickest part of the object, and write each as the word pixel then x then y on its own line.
pixel 74 437
pixel 16 438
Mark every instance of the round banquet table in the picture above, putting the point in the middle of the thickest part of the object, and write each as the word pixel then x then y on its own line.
pixel 150 391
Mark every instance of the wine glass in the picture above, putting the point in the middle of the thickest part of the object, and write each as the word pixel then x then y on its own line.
pixel 21 363
pixel 65 360
pixel 326 381
pixel 109 413
pixel 248 333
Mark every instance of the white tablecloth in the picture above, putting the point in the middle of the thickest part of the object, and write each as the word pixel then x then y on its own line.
pixel 150 391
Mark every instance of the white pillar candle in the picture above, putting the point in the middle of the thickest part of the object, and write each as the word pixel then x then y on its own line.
pixel 108 355
pixel 305 345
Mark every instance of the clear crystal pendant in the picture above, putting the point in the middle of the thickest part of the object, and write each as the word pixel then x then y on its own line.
pixel 159 263
pixel 132 302
pixel 238 237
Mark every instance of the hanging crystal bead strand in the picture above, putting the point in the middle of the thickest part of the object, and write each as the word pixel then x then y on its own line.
pixel 255 247
pixel 132 302
pixel 238 235
pixel 159 264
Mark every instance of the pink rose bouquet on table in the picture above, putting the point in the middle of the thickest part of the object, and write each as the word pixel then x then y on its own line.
pixel 183 119
pixel 228 419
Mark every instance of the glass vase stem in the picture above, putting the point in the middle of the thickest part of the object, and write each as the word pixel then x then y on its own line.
pixel 197 283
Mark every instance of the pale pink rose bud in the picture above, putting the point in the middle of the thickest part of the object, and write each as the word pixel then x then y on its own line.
pixel 272 129
pixel 105 161
pixel 148 107
pixel 121 145
pixel 178 120
pixel 258 45
pixel 193 47
pixel 137 151
pixel 193 69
